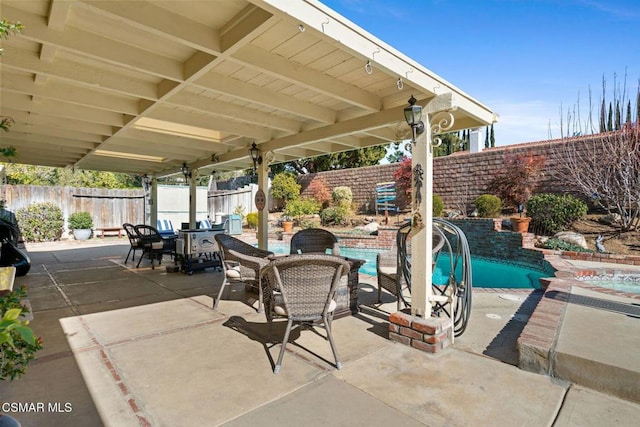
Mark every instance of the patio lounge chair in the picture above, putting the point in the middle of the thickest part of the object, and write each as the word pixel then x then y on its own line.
pixel 314 240
pixel 302 288
pixel 165 228
pixel 154 244
pixel 241 262
pixel 134 241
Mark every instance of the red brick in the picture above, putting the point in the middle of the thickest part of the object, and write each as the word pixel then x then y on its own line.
pixel 400 318
pixel 411 333
pixel 399 338
pixel 434 339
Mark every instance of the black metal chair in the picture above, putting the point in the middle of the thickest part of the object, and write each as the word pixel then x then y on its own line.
pixel 314 240
pixel 241 262
pixel 302 289
pixel 153 244
pixel 134 241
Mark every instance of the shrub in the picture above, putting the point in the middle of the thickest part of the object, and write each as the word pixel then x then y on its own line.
pixel 551 213
pixel 488 205
pixel 342 195
pixel 518 179
pixel 561 245
pixel 80 221
pixel 302 206
pixel 285 187
pixel 438 205
pixel 403 176
pixel 40 222
pixel 319 190
pixel 252 220
pixel 337 215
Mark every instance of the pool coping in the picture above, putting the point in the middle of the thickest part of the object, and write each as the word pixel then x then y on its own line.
pixel 536 344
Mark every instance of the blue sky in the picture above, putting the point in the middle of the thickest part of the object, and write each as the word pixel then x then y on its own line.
pixel 522 58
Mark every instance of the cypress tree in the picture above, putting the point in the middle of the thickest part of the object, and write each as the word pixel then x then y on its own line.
pixel 610 118
pixel 486 137
pixel 492 137
pixel 603 112
pixel 628 119
pixel 618 117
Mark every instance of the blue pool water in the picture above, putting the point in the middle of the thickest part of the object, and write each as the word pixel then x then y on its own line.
pixel 486 273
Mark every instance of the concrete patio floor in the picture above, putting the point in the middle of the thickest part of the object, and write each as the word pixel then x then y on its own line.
pixel 137 347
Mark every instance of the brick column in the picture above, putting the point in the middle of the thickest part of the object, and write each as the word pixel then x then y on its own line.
pixel 432 334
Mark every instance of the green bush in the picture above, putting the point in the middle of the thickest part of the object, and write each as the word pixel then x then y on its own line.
pixel 561 245
pixel 40 222
pixel 252 220
pixel 342 195
pixel 285 187
pixel 335 215
pixel 551 213
pixel 302 206
pixel 438 205
pixel 80 221
pixel 488 205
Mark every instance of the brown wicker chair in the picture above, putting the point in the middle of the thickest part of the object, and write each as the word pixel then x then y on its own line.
pixel 302 288
pixel 153 244
pixel 314 240
pixel 241 262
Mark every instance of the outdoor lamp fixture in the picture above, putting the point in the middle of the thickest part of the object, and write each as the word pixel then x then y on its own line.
pixel 185 171
pixel 254 152
pixel 413 116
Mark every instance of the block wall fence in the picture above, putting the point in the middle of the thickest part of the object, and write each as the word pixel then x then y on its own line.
pixel 459 178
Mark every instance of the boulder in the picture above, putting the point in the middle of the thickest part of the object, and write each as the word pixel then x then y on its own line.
pixel 371 227
pixel 573 238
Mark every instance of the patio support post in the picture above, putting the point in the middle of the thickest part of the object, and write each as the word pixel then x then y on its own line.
pixel 192 200
pixel 438 119
pixel 153 203
pixel 263 215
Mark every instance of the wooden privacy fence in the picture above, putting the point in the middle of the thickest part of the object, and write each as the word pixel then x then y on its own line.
pixel 108 207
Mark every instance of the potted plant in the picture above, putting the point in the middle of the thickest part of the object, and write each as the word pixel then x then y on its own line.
pixel 81 223
pixel 516 183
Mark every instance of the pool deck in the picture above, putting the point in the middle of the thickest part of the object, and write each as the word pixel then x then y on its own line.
pixel 142 347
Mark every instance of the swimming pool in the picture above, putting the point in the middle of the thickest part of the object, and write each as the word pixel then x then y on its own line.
pixel 487 273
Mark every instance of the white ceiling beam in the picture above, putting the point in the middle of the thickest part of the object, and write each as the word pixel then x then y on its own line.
pixel 306 77
pixel 161 23
pixel 79 74
pixel 237 112
pixel 266 97
pixel 212 123
pixel 25 117
pixel 56 132
pixel 99 48
pixel 69 93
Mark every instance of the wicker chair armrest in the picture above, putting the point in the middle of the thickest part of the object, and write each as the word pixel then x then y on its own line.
pixel 387 259
pixel 252 262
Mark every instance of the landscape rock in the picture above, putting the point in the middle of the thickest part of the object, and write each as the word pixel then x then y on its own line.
pixel 573 238
pixel 371 227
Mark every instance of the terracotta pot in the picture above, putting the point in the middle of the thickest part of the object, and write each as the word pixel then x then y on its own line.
pixel 287 226
pixel 520 224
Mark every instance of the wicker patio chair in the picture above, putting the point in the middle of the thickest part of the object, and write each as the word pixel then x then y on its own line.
pixel 393 267
pixel 134 241
pixel 154 244
pixel 302 288
pixel 314 240
pixel 241 262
